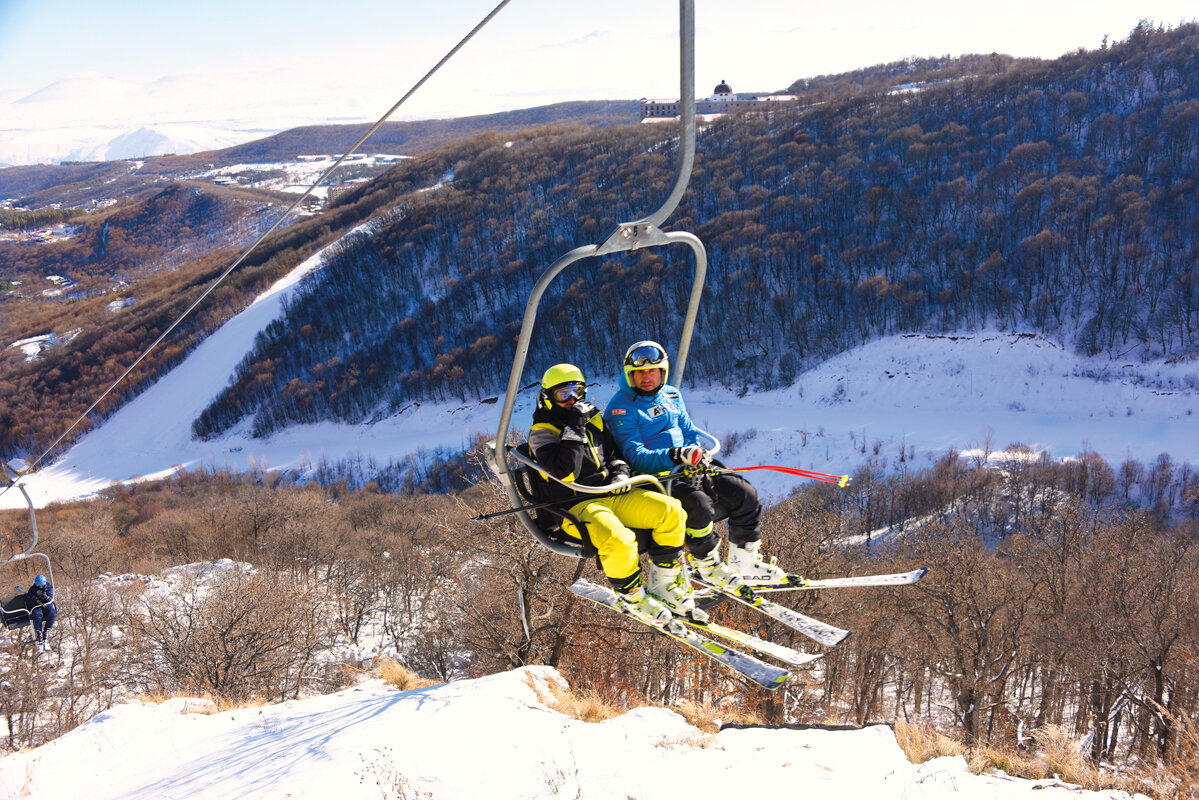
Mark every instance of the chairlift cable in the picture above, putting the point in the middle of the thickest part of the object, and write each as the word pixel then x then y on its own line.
pixel 35 463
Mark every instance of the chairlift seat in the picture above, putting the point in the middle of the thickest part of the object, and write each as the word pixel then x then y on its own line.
pixel 549 520
pixel 14 612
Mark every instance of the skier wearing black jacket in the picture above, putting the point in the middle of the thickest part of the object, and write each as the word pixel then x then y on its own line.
pixel 570 442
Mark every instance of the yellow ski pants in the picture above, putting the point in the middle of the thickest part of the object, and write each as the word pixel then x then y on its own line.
pixel 609 518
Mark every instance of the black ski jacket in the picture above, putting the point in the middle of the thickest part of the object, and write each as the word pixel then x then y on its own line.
pixel 573 445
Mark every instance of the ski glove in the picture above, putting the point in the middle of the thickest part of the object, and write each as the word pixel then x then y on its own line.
pixel 578 414
pixel 689 456
pixel 619 472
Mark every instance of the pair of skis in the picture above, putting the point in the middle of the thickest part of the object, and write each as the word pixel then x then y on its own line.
pixel 757 671
pixel 698 636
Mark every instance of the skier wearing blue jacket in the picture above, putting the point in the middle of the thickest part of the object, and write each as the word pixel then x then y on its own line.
pixel 39 600
pixel 649 421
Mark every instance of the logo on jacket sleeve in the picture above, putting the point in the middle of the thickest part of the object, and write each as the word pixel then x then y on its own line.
pixel 617 412
pixel 656 411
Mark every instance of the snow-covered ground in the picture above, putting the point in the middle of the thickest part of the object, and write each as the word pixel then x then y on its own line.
pixel 921 393
pixel 494 737
pixel 34 345
pixel 293 177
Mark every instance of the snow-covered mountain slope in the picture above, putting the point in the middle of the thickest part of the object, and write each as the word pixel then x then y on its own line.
pixel 922 393
pixel 985 390
pixel 492 737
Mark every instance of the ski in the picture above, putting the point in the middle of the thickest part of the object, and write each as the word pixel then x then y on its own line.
pixel 783 653
pixel 890 579
pixel 814 629
pixel 759 672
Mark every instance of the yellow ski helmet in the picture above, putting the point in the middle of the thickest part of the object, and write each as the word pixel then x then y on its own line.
pixel 561 376
pixel 645 355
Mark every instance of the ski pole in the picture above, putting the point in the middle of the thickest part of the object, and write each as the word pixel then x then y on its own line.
pixel 840 480
pixel 546 504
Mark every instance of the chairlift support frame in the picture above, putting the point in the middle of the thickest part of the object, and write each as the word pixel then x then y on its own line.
pixel 11 476
pixel 627 237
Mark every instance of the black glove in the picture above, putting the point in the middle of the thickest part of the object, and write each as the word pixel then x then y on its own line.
pixel 578 414
pixel 688 456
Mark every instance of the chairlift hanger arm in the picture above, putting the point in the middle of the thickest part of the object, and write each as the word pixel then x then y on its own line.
pixel 28 553
pixel 686 115
pixel 644 232
pixel 14 481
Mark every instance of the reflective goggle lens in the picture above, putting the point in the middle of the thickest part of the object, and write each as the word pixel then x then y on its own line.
pixel 569 391
pixel 645 355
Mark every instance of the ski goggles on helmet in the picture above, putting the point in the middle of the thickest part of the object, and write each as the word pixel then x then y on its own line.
pixel 647 355
pixel 568 391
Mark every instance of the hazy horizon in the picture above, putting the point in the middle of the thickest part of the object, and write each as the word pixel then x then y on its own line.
pixel 244 71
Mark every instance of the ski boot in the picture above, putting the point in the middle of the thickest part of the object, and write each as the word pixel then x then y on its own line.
pixel 648 609
pixel 747 561
pixel 718 573
pixel 668 583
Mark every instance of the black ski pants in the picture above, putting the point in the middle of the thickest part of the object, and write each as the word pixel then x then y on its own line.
pixel 738 498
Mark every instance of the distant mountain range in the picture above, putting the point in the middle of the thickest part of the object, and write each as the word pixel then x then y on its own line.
pixel 35 134
pixel 100 170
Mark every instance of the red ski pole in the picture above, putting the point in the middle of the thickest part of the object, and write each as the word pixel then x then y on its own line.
pixel 840 480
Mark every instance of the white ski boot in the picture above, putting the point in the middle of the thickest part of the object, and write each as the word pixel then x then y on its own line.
pixel 648 609
pixel 668 583
pixel 748 563
pixel 718 573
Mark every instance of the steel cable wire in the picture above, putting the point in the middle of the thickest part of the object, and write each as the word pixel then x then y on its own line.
pixel 31 466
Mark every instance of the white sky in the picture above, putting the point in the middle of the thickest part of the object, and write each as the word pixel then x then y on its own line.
pixel 303 59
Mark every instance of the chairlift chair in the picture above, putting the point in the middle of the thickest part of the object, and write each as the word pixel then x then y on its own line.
pixel 627 237
pixel 14 614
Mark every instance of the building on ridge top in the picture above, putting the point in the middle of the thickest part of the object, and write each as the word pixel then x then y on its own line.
pixel 723 100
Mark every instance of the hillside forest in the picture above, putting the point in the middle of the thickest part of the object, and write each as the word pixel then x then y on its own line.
pixel 1056 197
pixel 1051 196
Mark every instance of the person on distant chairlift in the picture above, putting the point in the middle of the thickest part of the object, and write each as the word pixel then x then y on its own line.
pixel 569 441
pixel 40 602
pixel 649 420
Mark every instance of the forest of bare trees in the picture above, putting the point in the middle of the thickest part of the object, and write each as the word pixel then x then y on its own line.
pixel 1049 602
